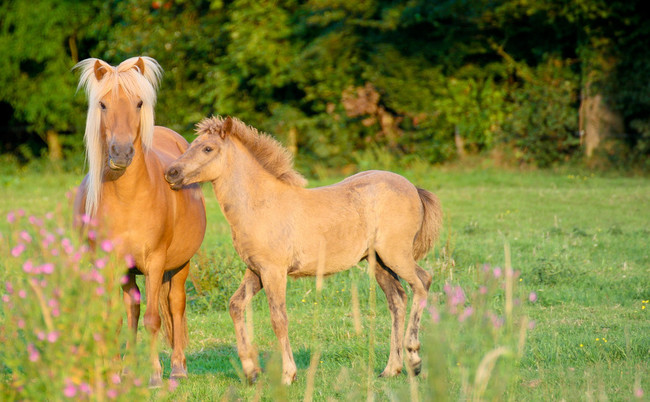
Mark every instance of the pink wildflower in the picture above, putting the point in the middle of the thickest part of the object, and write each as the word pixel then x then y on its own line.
pixel 11 217
pixel 70 390
pixel 111 393
pixel 85 218
pixel 92 235
pixel 5 298
pixel 435 314
pixel 497 272
pixel 52 336
pixel 18 250
pixel 465 314
pixel 49 216
pixel 84 387
pixel 9 287
pixel 40 335
pixel 124 279
pixel 47 268
pixel 173 384
pixel 33 353
pixel 28 266
pixel 22 293
pixel 35 221
pixel 21 323
pixel 116 379
pixel 532 297
pixel 26 236
pixel 100 263
pixel 130 261
pixel 107 246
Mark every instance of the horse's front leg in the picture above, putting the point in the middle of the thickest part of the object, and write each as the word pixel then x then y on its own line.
pixel 131 296
pixel 177 301
pixel 250 285
pixel 152 321
pixel 275 284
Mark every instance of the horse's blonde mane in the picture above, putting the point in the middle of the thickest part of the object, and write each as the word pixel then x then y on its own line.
pixel 273 157
pixel 135 83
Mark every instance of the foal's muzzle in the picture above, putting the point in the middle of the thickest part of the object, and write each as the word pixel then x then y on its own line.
pixel 174 178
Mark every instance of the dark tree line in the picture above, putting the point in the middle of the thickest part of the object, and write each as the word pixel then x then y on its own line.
pixel 535 81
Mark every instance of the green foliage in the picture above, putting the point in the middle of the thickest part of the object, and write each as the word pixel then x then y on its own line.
pixel 490 74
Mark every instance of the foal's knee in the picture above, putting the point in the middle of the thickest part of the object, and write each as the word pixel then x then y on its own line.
pixel 235 307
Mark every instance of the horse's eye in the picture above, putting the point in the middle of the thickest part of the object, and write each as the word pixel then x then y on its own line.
pixel 101 105
pixel 139 104
pixel 207 150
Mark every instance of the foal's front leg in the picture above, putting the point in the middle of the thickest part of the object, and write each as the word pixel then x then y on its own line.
pixel 250 285
pixel 275 283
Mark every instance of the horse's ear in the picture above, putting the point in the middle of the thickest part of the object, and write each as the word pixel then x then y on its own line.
pixel 139 65
pixel 100 70
pixel 226 127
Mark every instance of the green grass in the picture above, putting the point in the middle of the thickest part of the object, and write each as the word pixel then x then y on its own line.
pixel 579 241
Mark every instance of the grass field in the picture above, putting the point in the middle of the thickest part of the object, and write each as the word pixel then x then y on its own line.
pixel 579 248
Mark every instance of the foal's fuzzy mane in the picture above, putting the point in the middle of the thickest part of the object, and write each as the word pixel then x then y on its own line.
pixel 135 83
pixel 273 157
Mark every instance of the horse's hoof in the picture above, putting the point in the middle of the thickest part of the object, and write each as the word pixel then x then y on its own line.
pixel 155 381
pixel 178 373
pixel 289 379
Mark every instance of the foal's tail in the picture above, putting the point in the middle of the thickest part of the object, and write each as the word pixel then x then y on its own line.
pixel 431 224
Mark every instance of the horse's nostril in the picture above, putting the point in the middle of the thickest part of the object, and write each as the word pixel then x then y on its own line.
pixel 114 149
pixel 130 152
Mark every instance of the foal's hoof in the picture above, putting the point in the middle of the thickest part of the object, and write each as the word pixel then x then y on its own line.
pixel 155 381
pixel 416 367
pixel 252 377
pixel 390 373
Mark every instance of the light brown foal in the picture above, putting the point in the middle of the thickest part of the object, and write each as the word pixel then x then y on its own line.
pixel 125 192
pixel 280 229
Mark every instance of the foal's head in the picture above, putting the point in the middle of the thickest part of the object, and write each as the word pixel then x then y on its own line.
pixel 120 115
pixel 201 162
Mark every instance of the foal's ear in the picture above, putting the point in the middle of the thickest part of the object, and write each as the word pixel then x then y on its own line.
pixel 100 70
pixel 139 65
pixel 226 127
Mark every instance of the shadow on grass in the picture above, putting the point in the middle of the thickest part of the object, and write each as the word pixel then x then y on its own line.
pixel 224 361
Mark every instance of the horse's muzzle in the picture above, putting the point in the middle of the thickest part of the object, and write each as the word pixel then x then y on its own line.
pixel 120 156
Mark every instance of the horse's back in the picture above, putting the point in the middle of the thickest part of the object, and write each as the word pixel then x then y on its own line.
pixel 168 145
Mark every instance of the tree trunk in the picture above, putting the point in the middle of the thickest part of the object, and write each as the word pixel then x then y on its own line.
pixel 598 122
pixel 55 152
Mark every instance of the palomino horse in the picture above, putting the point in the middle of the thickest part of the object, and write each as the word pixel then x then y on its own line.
pixel 125 192
pixel 280 229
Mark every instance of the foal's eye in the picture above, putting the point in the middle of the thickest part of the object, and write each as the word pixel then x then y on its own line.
pixel 101 105
pixel 139 104
pixel 207 150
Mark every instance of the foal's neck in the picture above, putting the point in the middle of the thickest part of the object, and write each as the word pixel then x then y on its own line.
pixel 243 186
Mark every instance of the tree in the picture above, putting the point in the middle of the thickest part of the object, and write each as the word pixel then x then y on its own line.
pixel 38 41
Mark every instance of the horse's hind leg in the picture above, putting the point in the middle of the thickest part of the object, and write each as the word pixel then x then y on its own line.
pixel 275 285
pixel 396 298
pixel 177 300
pixel 249 286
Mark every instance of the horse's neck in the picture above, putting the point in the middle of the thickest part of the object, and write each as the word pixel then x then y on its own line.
pixel 134 179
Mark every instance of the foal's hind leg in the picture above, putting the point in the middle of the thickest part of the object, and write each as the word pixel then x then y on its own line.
pixel 177 302
pixel 250 285
pixel 406 268
pixel 396 298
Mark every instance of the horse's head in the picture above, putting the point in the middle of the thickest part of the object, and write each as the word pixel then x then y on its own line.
pixel 202 161
pixel 120 118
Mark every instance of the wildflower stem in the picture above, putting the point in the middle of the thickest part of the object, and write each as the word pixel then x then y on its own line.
pixel 47 317
pixel 509 284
